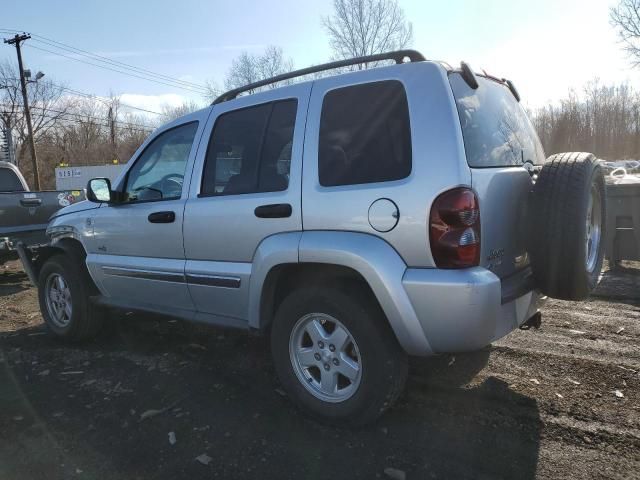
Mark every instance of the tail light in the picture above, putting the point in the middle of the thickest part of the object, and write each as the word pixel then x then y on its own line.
pixel 454 229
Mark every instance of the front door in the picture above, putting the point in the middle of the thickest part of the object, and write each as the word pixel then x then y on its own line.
pixel 245 188
pixel 137 255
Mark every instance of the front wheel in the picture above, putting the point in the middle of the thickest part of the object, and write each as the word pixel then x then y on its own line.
pixel 63 293
pixel 336 355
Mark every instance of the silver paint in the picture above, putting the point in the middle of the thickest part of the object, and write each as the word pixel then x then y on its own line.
pixel 429 310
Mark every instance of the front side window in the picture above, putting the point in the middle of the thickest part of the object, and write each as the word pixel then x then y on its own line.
pixel 9 181
pixel 250 150
pixel 158 173
pixel 365 135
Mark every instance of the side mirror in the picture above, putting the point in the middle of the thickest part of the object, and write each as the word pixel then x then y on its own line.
pixel 99 190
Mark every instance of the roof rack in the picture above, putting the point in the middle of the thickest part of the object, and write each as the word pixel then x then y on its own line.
pixel 398 56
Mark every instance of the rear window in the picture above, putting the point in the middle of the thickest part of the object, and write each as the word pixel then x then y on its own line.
pixel 364 135
pixel 495 127
pixel 9 181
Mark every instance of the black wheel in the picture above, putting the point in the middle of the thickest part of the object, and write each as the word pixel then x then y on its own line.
pixel 336 355
pixel 568 229
pixel 64 289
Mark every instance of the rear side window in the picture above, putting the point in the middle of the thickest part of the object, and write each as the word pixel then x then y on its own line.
pixel 495 127
pixel 364 135
pixel 250 150
pixel 9 181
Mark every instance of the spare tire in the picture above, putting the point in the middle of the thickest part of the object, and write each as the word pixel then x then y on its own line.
pixel 568 225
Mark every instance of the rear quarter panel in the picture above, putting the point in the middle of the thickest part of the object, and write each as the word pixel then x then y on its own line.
pixel 438 162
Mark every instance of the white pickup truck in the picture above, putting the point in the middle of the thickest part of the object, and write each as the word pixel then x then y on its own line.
pixel 24 215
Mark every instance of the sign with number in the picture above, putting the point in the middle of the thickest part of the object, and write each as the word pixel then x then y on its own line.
pixel 68 172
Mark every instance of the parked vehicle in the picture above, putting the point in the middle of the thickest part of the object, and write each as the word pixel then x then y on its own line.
pixel 24 215
pixel 357 218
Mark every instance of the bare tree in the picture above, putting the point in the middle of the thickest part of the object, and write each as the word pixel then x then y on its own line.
pixel 626 19
pixel 603 119
pixel 249 68
pixel 46 104
pixel 367 27
pixel 170 112
pixel 273 62
pixel 45 101
pixel 67 129
pixel 212 90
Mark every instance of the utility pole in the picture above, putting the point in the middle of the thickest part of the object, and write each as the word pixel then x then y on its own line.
pixel 112 134
pixel 27 114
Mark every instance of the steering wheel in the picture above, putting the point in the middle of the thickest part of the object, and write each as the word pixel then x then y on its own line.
pixel 171 178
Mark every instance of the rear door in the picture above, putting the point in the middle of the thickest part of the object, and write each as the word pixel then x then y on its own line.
pixel 246 187
pixel 503 152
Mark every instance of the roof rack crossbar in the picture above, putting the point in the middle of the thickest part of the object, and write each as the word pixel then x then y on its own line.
pixel 398 56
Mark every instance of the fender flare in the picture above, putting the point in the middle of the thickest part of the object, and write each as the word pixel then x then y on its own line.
pixel 273 251
pixel 373 258
pixel 63 239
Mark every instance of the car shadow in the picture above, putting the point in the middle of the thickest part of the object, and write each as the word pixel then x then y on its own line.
pixel 216 390
pixel 621 284
pixel 12 282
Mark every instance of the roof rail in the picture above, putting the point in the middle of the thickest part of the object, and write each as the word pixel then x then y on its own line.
pixel 398 56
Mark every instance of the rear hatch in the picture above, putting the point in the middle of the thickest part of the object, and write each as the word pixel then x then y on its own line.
pixel 503 152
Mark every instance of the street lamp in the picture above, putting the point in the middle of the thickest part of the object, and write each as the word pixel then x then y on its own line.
pixel 27 75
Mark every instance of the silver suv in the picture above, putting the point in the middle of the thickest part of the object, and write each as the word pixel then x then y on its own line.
pixel 357 218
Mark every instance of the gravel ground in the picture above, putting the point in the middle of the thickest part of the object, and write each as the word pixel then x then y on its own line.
pixel 559 402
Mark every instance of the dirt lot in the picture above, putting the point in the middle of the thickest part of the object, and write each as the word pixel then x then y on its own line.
pixel 559 402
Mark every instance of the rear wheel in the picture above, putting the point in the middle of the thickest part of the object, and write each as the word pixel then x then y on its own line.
pixel 64 292
pixel 568 229
pixel 336 355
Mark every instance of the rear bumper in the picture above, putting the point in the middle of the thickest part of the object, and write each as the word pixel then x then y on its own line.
pixel 465 310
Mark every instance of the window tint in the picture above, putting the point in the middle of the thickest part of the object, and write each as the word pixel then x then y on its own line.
pixel 364 135
pixel 158 173
pixel 250 150
pixel 495 128
pixel 9 181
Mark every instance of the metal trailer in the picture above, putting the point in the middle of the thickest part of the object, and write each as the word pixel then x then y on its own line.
pixel 623 223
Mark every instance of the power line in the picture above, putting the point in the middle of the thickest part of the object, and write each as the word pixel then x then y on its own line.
pixel 45 110
pixel 96 97
pixel 117 71
pixel 120 66
pixel 116 63
pixel 93 96
pixel 94 123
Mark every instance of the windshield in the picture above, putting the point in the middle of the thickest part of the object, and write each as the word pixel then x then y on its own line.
pixel 495 127
pixel 9 181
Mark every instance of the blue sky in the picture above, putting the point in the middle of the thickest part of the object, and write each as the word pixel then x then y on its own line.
pixel 546 46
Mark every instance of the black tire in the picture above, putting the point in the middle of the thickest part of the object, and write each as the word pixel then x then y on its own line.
pixel 384 363
pixel 558 250
pixel 86 319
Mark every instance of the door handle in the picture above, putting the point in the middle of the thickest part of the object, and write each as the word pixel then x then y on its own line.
pixel 162 217
pixel 275 210
pixel 31 202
